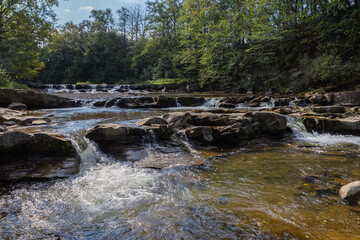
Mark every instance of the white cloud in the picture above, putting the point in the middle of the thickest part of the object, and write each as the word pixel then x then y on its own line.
pixel 86 8
pixel 68 11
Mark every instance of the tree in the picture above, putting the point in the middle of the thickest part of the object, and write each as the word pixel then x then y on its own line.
pixel 25 26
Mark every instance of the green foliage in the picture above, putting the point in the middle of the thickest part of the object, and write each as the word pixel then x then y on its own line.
pixel 24 27
pixel 167 81
pixel 224 44
pixel 6 82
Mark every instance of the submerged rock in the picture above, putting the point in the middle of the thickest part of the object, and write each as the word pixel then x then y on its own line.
pixel 351 192
pixel 36 155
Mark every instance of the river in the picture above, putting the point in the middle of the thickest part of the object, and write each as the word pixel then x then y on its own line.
pixel 285 189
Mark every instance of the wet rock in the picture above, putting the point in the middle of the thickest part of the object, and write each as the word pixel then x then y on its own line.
pixel 82 87
pixel 152 121
pixel 227 105
pixel 254 104
pixel 100 104
pixel 165 102
pixel 142 102
pixel 201 134
pixel 10 117
pixel 191 101
pixel 2 129
pixel 36 155
pixel 137 87
pixel 269 122
pixel 282 102
pixel 179 120
pixel 116 133
pixel 213 119
pixel 33 100
pixel 329 109
pixel 351 192
pixel 348 125
pixel 17 106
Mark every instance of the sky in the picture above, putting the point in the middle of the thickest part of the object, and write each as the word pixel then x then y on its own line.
pixel 79 10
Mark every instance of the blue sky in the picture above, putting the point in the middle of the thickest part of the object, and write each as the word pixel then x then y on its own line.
pixel 78 10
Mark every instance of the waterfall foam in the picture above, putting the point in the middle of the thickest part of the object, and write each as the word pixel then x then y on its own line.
pixel 301 133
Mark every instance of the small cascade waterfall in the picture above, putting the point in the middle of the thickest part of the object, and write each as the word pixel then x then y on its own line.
pixel 177 102
pixel 213 103
pixel 184 142
pixel 300 132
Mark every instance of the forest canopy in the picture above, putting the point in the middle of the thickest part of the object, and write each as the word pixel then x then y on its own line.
pixel 291 45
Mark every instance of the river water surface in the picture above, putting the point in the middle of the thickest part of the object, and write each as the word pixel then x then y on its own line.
pixel 287 189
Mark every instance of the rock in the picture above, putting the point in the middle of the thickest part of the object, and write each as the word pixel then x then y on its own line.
pixel 201 134
pixel 36 155
pixel 142 102
pixel 191 101
pixel 269 122
pixel 227 105
pixel 351 192
pixel 34 100
pixel 136 87
pixel 2 129
pixel 351 98
pixel 348 125
pixel 330 109
pixel 116 133
pixel 17 106
pixel 193 88
pixel 282 102
pixel 165 102
pixel 39 122
pixel 178 119
pixel 152 121
pixel 11 117
pixel 254 104
pixel 100 104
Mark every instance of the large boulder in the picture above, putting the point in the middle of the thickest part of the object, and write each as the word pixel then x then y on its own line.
pixel 178 120
pixel 116 133
pixel 34 100
pixel 351 192
pixel 269 122
pixel 36 155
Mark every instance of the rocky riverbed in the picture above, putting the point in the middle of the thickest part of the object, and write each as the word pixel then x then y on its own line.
pixel 166 161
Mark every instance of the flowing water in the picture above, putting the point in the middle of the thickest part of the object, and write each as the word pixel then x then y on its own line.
pixel 269 190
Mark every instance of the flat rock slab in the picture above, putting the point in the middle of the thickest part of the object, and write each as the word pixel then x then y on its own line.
pixel 34 100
